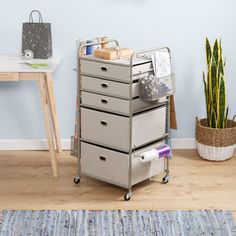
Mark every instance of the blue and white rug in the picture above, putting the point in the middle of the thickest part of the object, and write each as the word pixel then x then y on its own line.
pixel 106 223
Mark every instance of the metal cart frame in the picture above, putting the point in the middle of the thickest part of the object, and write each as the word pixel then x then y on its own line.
pixel 132 150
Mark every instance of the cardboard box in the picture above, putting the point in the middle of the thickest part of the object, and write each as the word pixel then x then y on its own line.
pixel 113 53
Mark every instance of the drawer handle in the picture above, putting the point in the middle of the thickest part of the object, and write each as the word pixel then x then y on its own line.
pixel 104 68
pixel 102 158
pixel 104 101
pixel 103 122
pixel 104 85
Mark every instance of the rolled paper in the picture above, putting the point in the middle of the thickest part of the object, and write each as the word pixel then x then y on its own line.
pixel 89 49
pixel 28 54
pixel 105 44
pixel 83 51
pixel 162 151
pixel 149 155
pixel 98 46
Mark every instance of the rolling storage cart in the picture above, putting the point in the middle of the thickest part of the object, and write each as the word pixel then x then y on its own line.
pixel 114 126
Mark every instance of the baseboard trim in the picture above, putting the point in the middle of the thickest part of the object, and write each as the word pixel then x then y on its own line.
pixel 29 144
pixel 183 143
pixel 41 144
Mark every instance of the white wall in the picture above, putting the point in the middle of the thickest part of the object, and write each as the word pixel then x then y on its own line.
pixel 181 24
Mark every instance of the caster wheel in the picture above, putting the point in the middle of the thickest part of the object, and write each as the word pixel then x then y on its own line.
pixel 76 180
pixel 127 196
pixel 165 179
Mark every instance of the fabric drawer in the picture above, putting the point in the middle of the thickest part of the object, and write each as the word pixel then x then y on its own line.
pixel 105 103
pixel 114 131
pixel 108 87
pixel 105 129
pixel 111 71
pixel 104 164
pixel 148 126
pixel 112 166
pixel 115 105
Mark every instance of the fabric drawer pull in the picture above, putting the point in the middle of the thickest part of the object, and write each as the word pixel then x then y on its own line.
pixel 104 85
pixel 102 158
pixel 104 68
pixel 103 122
pixel 104 101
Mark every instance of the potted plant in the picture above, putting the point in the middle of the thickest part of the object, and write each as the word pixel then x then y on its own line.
pixel 215 135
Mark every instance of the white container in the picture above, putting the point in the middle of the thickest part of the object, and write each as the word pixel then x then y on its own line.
pixel 215 153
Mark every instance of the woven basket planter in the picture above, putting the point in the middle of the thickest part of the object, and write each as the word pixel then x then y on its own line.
pixel 215 144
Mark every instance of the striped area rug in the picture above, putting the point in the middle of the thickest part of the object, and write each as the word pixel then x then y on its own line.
pixel 117 222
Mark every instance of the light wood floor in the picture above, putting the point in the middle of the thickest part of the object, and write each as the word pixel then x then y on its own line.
pixel 26 183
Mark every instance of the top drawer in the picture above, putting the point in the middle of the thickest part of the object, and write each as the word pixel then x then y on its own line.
pixel 115 72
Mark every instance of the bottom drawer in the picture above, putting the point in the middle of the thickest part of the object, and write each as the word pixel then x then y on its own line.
pixel 104 164
pixel 112 166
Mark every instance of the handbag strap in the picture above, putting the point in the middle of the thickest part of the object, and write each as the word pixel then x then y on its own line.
pixel 31 20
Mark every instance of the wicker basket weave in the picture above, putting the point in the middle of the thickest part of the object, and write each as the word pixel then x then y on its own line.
pixel 215 144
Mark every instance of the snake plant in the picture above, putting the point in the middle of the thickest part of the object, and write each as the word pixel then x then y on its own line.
pixel 214 83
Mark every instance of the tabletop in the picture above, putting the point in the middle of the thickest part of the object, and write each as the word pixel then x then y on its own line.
pixel 20 64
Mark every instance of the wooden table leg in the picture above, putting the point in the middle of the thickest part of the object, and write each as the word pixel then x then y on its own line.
pixel 53 110
pixel 48 128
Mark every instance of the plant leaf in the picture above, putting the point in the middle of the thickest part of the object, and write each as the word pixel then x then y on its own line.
pixel 226 117
pixel 222 102
pixel 208 51
pixel 213 119
pixel 206 93
pixel 221 68
pixel 216 51
pixel 214 84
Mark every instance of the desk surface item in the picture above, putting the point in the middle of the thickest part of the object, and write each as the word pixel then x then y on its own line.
pixel 20 64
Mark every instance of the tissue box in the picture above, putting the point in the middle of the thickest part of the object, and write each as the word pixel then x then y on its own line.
pixel 113 53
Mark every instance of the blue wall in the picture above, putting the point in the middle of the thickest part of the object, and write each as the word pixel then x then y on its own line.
pixel 140 24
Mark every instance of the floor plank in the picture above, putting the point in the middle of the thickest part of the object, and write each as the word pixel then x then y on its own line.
pixel 26 183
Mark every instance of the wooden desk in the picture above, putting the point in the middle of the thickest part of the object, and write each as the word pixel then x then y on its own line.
pixel 13 69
